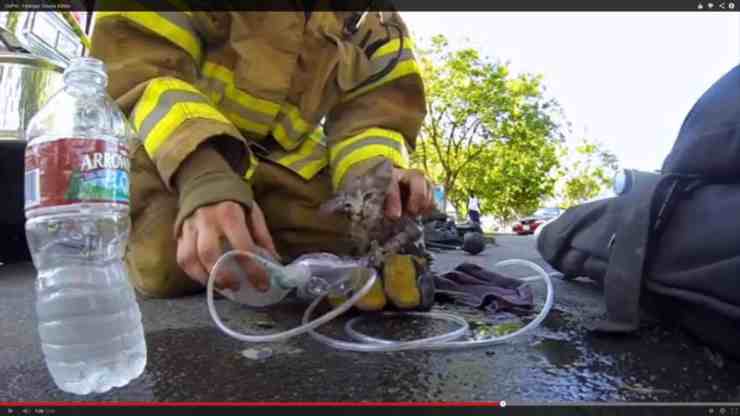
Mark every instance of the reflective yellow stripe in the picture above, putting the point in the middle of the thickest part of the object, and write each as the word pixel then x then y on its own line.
pixel 164 104
pixel 294 156
pixel 364 154
pixel 151 95
pixel 309 158
pixel 312 168
pixel 370 143
pixel 226 76
pixel 369 133
pixel 218 72
pixel 318 135
pixel 393 46
pixel 401 69
pixel 251 102
pixel 295 117
pixel 289 138
pixel 305 150
pixel 249 125
pixel 245 110
pixel 281 136
pixel 178 115
pixel 183 36
pixel 162 116
pixel 253 162
pixel 318 159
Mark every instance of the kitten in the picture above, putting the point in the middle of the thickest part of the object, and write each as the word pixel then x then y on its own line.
pixel 362 201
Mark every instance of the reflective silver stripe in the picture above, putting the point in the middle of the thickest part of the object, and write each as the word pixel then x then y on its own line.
pixel 381 63
pixel 306 161
pixel 255 116
pixel 293 134
pixel 164 104
pixel 318 153
pixel 335 158
pixel 215 84
pixel 179 19
pixel 228 104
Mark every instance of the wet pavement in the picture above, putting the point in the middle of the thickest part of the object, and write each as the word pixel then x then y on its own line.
pixel 190 360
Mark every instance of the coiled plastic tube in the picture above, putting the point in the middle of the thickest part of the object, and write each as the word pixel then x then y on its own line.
pixel 457 333
pixel 371 344
pixel 280 336
pixel 367 343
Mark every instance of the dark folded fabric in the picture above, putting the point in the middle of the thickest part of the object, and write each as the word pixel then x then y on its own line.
pixel 474 286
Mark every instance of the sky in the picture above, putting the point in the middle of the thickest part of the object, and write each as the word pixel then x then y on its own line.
pixel 625 79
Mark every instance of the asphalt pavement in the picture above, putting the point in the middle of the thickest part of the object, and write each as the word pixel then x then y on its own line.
pixel 190 360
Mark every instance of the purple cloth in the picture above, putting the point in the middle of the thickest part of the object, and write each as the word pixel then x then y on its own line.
pixel 477 287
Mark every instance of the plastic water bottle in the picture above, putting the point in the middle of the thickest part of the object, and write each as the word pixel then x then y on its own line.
pixel 77 226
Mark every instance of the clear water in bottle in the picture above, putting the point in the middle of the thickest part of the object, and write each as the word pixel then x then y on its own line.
pixel 77 226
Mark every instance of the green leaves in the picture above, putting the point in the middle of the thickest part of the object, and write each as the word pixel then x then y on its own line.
pixel 487 131
pixel 496 134
pixel 588 172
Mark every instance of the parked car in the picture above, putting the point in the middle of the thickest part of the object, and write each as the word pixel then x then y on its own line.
pixel 530 224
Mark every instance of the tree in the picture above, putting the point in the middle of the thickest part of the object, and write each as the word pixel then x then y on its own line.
pixel 588 171
pixel 486 131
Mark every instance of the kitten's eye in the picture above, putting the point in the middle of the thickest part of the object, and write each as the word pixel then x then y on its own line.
pixel 347 206
pixel 368 196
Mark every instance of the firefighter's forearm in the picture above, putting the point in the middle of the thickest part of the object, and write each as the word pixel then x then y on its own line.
pixel 205 178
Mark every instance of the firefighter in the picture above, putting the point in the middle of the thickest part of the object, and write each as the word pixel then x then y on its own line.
pixel 247 122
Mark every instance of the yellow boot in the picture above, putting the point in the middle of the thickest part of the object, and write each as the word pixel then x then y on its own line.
pixel 375 299
pixel 400 281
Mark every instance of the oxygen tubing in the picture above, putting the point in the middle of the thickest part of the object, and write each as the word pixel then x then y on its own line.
pixel 367 343
pixel 280 336
pixel 370 344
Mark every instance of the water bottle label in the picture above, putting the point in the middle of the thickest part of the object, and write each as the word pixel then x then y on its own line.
pixel 68 171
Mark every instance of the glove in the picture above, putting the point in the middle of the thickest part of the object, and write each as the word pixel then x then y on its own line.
pixel 404 280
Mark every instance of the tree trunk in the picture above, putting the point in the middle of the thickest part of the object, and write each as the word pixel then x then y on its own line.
pixel 449 190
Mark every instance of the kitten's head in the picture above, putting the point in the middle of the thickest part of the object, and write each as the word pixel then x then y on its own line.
pixel 362 199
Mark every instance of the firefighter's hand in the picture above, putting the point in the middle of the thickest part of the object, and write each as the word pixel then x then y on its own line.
pixel 200 243
pixel 410 193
